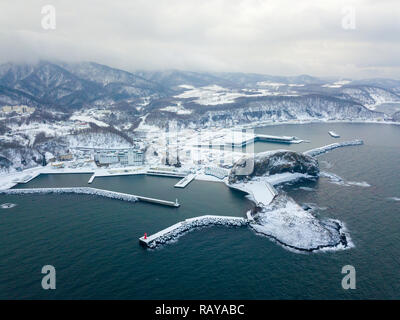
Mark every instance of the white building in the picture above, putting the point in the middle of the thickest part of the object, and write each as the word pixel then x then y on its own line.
pixel 126 157
pixel 18 109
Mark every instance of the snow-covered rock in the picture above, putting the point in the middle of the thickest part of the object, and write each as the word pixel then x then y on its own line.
pixel 292 226
pixel 273 162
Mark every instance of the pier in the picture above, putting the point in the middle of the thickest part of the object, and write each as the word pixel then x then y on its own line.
pixel 92 178
pixel 175 204
pixel 265 138
pixel 27 178
pixel 92 191
pixel 165 173
pixel 240 142
pixel 179 228
pixel 185 181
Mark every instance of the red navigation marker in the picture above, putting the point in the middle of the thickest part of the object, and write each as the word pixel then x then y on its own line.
pixel 145 235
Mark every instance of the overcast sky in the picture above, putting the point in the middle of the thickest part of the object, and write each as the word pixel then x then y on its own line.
pixel 279 37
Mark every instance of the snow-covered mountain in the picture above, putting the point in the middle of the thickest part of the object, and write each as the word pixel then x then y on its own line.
pixel 369 96
pixel 72 97
pixel 71 86
pixel 396 116
pixel 263 109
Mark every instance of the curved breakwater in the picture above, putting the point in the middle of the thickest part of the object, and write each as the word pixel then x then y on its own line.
pixel 329 147
pixel 175 231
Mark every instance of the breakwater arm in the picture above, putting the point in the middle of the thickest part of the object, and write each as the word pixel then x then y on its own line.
pixel 176 230
pixel 93 191
pixel 317 151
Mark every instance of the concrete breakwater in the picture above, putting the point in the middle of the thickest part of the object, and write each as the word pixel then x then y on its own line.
pixel 93 191
pixel 76 190
pixel 321 150
pixel 173 232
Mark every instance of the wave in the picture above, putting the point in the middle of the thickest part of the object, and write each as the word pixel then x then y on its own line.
pixel 7 205
pixel 333 178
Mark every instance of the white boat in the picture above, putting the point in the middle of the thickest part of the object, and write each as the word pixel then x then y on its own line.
pixel 333 134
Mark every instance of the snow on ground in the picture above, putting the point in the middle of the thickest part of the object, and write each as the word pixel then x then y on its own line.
pixel 97 140
pixel 210 95
pixel 337 84
pixel 274 85
pixel 88 119
pixel 287 223
pixel 260 192
pixel 178 109
pixel 214 94
pixel 286 177
pixel 25 133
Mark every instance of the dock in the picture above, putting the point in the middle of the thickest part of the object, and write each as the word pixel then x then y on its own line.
pixel 185 181
pixel 175 204
pixel 177 229
pixel 165 173
pixel 27 178
pixel 244 141
pixel 266 138
pixel 92 178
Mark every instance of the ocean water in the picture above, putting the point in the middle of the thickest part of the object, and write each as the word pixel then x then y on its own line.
pixel 93 242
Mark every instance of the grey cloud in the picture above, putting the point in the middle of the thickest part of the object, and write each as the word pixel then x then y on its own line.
pixel 276 37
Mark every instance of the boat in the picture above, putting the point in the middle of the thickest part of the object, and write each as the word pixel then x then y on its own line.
pixel 333 134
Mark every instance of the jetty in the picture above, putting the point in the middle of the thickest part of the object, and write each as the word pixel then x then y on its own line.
pixel 241 141
pixel 265 138
pixel 92 191
pixel 175 204
pixel 324 149
pixel 179 228
pixel 92 178
pixel 185 181
pixel 165 173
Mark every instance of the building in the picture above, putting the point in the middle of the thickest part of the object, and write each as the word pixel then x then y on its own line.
pixel 22 109
pixel 57 165
pixel 106 157
pixel 65 157
pixel 126 157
